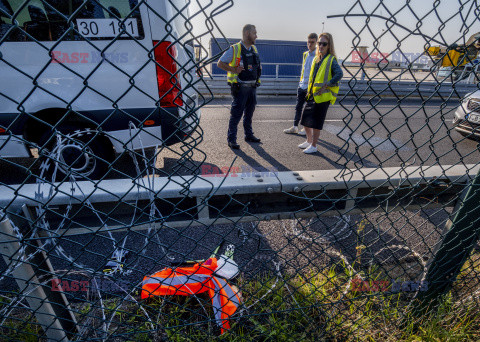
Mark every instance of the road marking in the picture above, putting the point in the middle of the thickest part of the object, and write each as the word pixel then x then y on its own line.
pixel 379 143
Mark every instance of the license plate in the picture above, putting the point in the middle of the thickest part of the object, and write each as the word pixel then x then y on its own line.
pixel 474 118
pixel 106 27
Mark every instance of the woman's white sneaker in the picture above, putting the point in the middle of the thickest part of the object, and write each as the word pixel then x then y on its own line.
pixel 310 149
pixel 304 145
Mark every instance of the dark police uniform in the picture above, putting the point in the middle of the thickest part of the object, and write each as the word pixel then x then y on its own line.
pixel 244 93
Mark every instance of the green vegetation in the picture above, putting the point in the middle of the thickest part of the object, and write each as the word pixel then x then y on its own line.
pixel 314 306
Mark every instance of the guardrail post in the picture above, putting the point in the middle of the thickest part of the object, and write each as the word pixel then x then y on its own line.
pixel 51 308
pixel 454 250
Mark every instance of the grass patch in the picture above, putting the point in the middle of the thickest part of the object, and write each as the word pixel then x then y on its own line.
pixel 314 306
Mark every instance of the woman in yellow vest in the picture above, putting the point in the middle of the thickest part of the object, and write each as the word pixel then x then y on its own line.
pixel 322 91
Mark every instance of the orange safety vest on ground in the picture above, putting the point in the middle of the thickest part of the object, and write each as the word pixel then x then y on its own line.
pixel 199 278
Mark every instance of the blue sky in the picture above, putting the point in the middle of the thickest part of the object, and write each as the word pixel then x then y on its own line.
pixel 293 20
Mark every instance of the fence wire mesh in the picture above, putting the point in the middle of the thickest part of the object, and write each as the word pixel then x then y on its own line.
pixel 100 242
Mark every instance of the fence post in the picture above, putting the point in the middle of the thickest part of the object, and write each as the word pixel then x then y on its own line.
pixel 454 250
pixel 51 308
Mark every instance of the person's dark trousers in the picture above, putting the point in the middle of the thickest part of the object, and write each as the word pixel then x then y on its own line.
pixel 301 95
pixel 244 101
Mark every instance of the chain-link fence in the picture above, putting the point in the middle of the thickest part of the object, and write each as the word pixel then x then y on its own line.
pixel 100 242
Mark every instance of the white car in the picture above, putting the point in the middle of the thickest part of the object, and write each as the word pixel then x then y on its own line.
pixel 81 80
pixel 459 73
pixel 467 116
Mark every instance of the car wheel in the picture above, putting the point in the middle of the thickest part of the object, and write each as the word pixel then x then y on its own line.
pixel 74 152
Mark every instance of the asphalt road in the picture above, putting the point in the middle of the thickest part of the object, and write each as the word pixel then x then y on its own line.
pixel 383 134
pixel 362 135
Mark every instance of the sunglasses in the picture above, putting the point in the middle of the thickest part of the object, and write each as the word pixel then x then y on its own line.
pixel 322 44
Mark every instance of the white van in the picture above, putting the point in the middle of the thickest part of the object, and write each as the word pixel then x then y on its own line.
pixel 81 80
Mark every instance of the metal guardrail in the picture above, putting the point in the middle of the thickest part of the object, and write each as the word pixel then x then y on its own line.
pixel 353 87
pixel 347 192
pixel 281 85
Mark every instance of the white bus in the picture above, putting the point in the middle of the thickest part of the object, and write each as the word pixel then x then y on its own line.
pixel 81 80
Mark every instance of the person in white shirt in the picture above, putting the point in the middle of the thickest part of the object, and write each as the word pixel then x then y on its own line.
pixel 308 57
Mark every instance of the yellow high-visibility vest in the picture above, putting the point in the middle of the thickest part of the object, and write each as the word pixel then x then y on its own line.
pixel 237 57
pixel 305 55
pixel 324 75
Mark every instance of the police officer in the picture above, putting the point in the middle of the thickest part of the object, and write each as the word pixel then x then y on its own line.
pixel 242 63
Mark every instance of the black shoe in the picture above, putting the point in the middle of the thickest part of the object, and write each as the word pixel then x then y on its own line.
pixel 253 139
pixel 233 145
